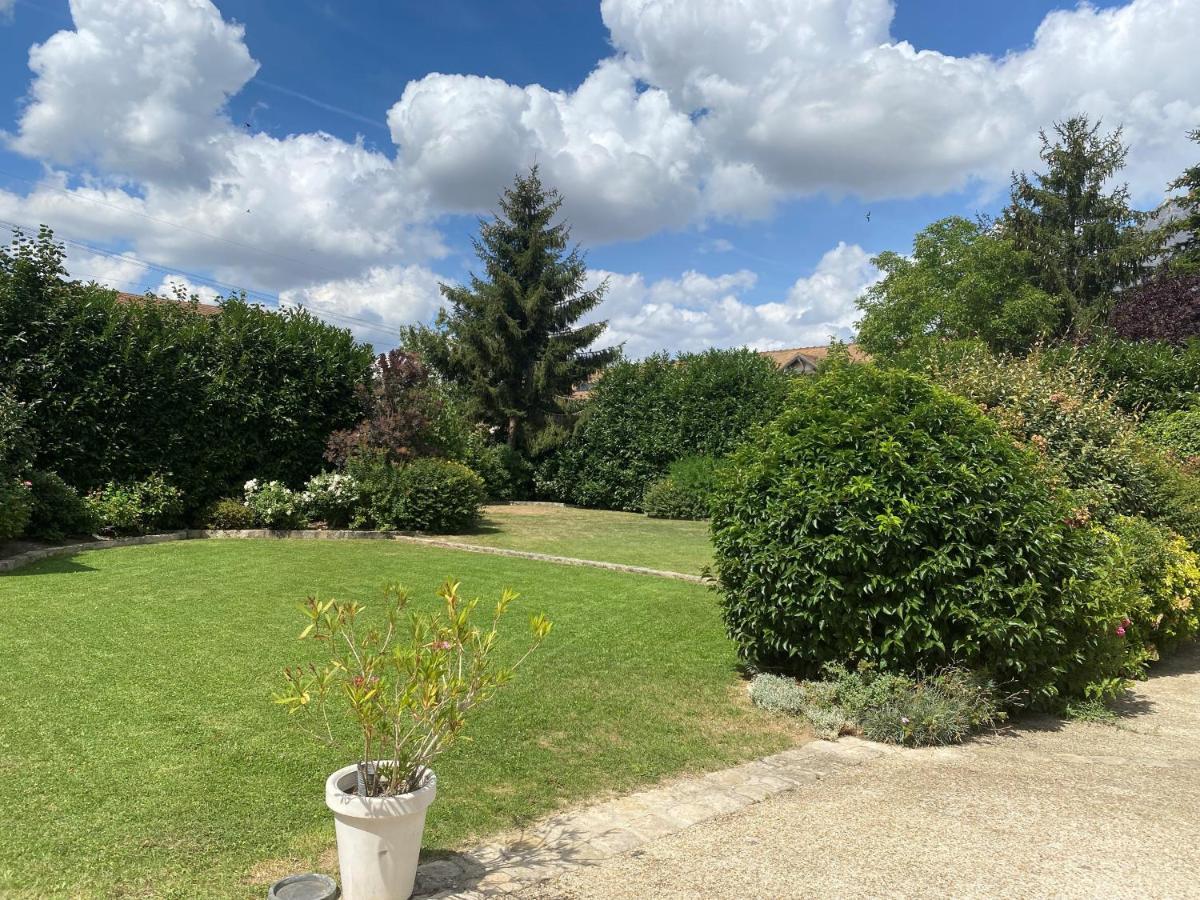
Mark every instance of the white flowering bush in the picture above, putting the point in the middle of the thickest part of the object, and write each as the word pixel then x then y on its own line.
pixel 330 498
pixel 274 504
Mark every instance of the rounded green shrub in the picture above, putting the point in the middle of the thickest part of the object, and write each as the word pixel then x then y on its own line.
pixel 1177 431
pixel 686 493
pixel 274 505
pixel 58 510
pixel 230 515
pixel 137 507
pixel 16 503
pixel 882 519
pixel 426 494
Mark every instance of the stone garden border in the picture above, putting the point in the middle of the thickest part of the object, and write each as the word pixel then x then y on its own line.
pixel 30 556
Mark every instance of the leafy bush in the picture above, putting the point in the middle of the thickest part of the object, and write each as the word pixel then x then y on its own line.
pixel 1158 577
pixel 16 503
pixel 1141 377
pixel 881 519
pixel 940 709
pixel 643 416
pixel 1165 308
pixel 274 505
pixel 330 498
pixel 137 507
pixel 120 390
pixel 686 493
pixel 58 510
pixel 1177 431
pixel 1076 426
pixel 229 514
pixel 506 473
pixel 426 494
pixel 16 439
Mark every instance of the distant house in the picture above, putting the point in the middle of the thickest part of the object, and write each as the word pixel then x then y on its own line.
pixel 804 360
pixel 204 309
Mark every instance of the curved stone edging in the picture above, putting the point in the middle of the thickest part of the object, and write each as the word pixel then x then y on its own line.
pixel 31 556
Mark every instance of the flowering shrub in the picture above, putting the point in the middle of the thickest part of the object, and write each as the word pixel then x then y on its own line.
pixel 407 685
pixel 330 498
pixel 273 504
pixel 16 501
pixel 138 507
pixel 881 519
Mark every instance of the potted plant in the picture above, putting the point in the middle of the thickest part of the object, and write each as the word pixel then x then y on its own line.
pixel 407 683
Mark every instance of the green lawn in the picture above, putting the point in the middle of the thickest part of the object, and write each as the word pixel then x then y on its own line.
pixel 140 754
pixel 619 537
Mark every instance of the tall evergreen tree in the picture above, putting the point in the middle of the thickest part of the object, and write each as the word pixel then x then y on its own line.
pixel 511 336
pixel 1085 240
pixel 1184 231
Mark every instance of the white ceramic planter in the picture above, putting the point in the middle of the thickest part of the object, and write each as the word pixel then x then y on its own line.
pixel 378 838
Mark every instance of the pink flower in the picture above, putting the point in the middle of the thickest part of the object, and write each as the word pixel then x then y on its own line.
pixel 1121 631
pixel 1126 622
pixel 441 645
pixel 904 719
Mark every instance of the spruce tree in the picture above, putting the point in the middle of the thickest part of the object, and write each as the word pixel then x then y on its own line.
pixel 1184 230
pixel 511 337
pixel 1085 240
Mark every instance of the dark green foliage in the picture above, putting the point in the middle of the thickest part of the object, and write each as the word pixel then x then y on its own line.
pixel 121 390
pixel 506 473
pixel 1177 431
pixel 881 519
pixel 1183 232
pixel 58 510
pixel 1084 239
pixel 511 338
pixel 16 503
pixel 426 494
pixel 962 281
pixel 152 504
pixel 643 416
pixel 228 513
pixel 686 492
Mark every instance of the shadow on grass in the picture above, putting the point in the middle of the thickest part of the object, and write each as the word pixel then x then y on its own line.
pixel 484 526
pixel 55 565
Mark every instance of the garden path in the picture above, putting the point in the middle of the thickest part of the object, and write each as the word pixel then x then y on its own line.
pixel 1045 808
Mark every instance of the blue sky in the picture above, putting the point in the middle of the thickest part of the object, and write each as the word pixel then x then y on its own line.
pixel 719 167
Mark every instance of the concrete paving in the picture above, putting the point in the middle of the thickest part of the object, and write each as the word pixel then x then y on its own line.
pixel 1046 809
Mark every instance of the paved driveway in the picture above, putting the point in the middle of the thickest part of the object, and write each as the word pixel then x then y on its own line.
pixel 1048 809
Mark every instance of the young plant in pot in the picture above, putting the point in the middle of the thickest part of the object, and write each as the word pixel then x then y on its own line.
pixel 408 683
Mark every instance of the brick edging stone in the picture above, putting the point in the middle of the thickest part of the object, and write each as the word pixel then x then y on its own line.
pixel 10 563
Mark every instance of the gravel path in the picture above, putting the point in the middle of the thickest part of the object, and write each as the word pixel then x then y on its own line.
pixel 1049 809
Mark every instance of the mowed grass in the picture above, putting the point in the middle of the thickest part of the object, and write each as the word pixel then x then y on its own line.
pixel 140 753
pixel 618 537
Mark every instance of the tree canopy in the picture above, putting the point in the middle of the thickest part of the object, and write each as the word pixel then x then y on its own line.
pixel 511 337
pixel 963 280
pixel 1085 240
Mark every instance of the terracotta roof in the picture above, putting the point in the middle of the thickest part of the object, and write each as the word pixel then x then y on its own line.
pixel 785 359
pixel 204 309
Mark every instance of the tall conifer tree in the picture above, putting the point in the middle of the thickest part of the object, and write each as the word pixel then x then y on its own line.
pixel 1085 240
pixel 1185 230
pixel 511 336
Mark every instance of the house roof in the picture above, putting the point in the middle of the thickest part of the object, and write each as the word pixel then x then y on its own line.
pixel 786 359
pixel 204 309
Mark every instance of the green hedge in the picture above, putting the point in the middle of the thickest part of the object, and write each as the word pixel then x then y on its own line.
pixel 426 494
pixel 881 519
pixel 643 416
pixel 121 390
pixel 58 511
